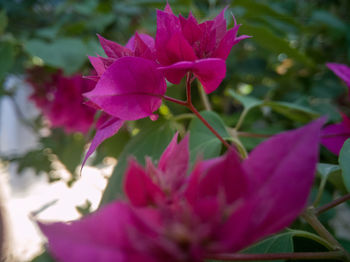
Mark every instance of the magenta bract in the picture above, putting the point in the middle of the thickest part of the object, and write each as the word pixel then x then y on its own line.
pixel 334 136
pixel 342 71
pixel 180 41
pixel 223 205
pixel 131 88
pixel 60 99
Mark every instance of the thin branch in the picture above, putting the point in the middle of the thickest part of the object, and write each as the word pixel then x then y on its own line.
pixel 194 110
pixel 174 100
pixel 333 204
pixel 311 218
pixel 204 97
pixel 247 134
pixel 339 255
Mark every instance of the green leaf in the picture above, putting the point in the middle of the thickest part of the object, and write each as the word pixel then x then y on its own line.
pixel 325 170
pixel 281 243
pixel 66 53
pixel 43 257
pixel 149 142
pixel 344 162
pixel 290 110
pixel 68 148
pixel 268 40
pixel 321 17
pixel 260 9
pixel 7 54
pixel 293 111
pixel 248 102
pixel 36 159
pixel 202 140
pixel 3 21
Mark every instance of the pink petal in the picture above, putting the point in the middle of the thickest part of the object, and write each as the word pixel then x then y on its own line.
pixel 190 29
pixel 220 25
pixel 130 89
pixel 98 237
pixel 210 72
pixel 113 49
pixel 174 162
pixel 110 127
pixel 139 187
pixel 228 41
pixel 224 177
pixel 342 71
pixel 281 172
pixel 334 136
pixel 168 9
pixel 98 65
pixel 176 49
pixel 146 39
pixel 207 43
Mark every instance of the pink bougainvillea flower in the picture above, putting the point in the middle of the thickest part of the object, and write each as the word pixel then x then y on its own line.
pixel 157 185
pixel 129 86
pixel 139 45
pixel 224 204
pixel 342 71
pixel 60 99
pixel 130 89
pixel 334 136
pixel 181 39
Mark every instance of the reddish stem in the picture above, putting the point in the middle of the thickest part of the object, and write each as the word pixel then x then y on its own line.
pixel 194 110
pixel 277 256
pixel 247 134
pixel 332 204
pixel 176 101
pixel 190 106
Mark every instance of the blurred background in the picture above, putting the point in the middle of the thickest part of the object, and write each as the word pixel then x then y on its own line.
pixel 44 48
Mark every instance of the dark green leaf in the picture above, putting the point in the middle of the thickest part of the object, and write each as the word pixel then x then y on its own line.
pixel 68 148
pixel 149 142
pixel 37 159
pixel 7 54
pixel 293 111
pixel 202 141
pixel 281 243
pixel 3 21
pixel 267 39
pixel 66 53
pixel 248 102
pixel 43 257
pixel 325 170
pixel 344 162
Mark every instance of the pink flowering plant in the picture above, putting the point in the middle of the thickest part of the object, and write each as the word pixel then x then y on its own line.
pixel 193 192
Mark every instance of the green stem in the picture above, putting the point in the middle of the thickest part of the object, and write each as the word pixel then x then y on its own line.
pixel 183 117
pixel 339 255
pixel 314 237
pixel 241 119
pixel 320 192
pixel 204 98
pixel 310 216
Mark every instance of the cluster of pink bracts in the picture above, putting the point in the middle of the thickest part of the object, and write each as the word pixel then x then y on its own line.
pixel 52 93
pixel 131 80
pixel 223 205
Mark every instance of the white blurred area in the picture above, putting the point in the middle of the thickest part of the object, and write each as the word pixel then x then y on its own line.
pixel 21 195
